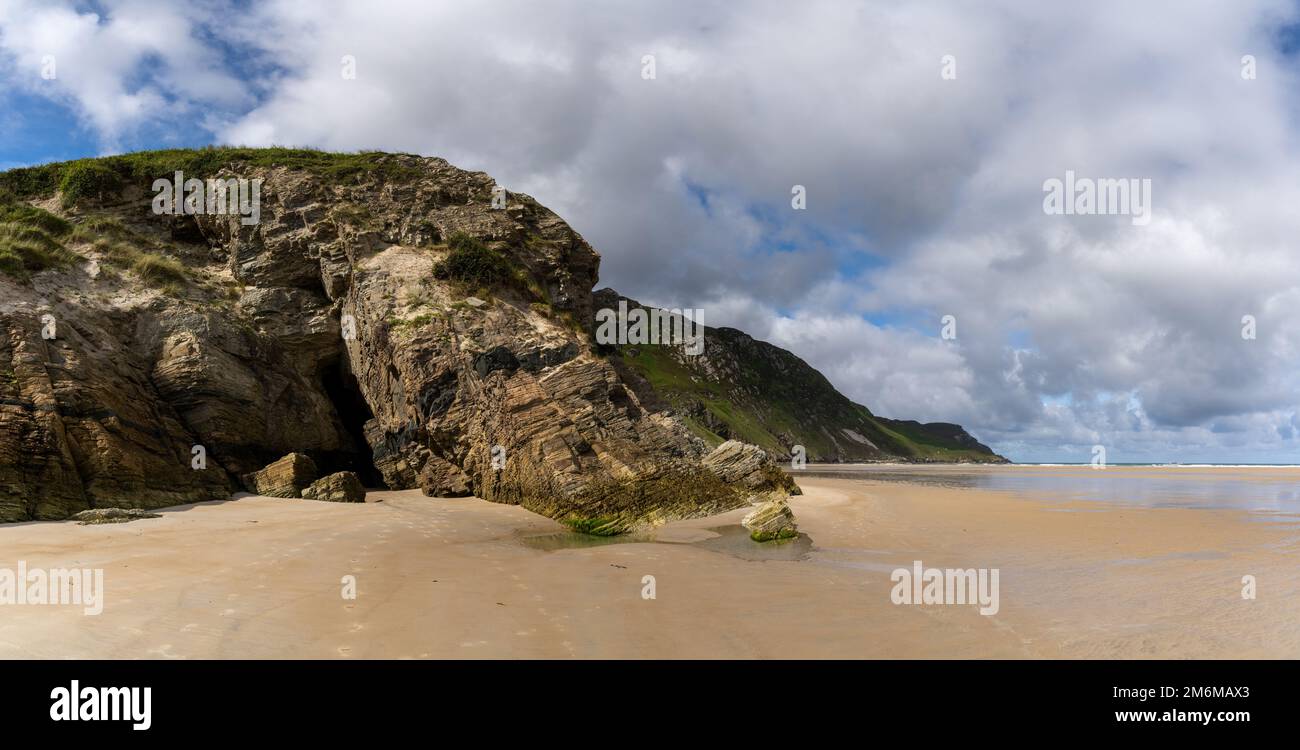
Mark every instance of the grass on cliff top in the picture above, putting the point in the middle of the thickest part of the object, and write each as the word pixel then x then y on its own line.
pixel 87 178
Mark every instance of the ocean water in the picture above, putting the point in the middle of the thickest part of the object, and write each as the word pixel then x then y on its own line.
pixel 1263 489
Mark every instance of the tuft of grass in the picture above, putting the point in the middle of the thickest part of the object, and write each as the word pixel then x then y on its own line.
pixel 11 263
pixel 96 227
pixel 472 263
pixel 25 250
pixel 159 270
pixel 419 321
pixel 13 212
pixel 30 235
pixel 155 269
pixel 117 251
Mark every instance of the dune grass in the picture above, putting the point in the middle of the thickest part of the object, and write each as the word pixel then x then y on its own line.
pixel 159 270
pixel 155 269
pixel 31 240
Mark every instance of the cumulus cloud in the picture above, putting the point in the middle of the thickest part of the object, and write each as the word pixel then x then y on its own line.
pixel 924 193
pixel 131 66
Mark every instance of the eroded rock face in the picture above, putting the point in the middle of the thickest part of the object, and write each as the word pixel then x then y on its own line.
pixel 751 467
pixel 339 487
pixel 287 477
pixel 323 333
pixel 82 424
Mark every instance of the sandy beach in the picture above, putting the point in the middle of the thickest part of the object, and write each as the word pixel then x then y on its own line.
pixel 259 577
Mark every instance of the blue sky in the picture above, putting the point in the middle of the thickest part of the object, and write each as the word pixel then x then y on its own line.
pixel 924 190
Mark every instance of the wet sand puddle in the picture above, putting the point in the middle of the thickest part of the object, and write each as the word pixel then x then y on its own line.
pixel 733 541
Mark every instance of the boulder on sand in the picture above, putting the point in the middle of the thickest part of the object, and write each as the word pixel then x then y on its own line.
pixel 341 487
pixel 287 477
pixel 771 520
pixel 97 516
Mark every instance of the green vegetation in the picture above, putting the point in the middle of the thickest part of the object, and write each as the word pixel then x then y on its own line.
pixel 117 252
pixel 97 227
pixel 674 381
pixel 927 444
pixel 599 526
pixel 657 365
pixel 776 399
pixel 419 321
pixel 87 177
pixel 615 506
pixel 480 270
pixel 159 270
pixel 30 216
pixel 470 262
pixel 773 536
pixel 30 240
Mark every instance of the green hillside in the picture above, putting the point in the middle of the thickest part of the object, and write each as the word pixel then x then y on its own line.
pixel 750 390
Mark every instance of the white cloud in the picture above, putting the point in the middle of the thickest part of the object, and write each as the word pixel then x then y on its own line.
pixel 138 63
pixel 924 193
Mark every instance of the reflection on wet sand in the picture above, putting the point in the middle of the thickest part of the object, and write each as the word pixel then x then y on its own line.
pixel 1244 488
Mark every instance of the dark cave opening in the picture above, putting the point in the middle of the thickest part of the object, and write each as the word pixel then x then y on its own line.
pixel 345 393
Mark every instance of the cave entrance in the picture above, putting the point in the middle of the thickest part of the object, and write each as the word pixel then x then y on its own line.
pixel 345 393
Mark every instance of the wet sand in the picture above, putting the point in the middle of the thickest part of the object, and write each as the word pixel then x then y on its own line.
pixel 261 578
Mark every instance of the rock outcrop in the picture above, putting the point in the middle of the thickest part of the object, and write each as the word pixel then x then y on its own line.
pixel 382 318
pixel 100 516
pixel 750 467
pixel 339 487
pixel 287 477
pixel 343 329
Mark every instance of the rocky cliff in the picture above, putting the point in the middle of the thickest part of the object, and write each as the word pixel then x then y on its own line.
pixel 381 316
